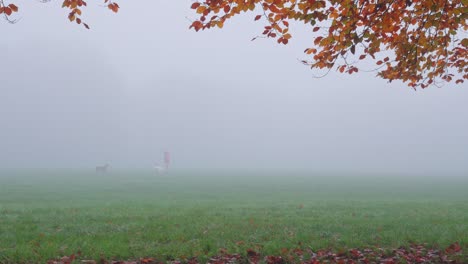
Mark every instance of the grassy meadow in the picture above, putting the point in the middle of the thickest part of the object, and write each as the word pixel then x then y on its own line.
pixel 45 214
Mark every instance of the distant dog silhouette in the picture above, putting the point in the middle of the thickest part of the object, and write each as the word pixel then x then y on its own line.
pixel 102 169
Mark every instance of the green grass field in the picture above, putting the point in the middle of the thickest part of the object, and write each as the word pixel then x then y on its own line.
pixel 128 214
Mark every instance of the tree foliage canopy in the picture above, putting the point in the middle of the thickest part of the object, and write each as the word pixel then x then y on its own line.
pixel 420 42
pixel 75 7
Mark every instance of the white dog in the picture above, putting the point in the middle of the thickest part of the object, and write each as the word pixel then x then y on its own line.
pixel 160 170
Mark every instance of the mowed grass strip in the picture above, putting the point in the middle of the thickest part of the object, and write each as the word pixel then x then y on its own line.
pixel 130 214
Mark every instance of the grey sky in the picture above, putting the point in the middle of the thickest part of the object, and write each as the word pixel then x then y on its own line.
pixel 140 82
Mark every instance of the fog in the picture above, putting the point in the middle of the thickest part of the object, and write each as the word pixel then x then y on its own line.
pixel 140 82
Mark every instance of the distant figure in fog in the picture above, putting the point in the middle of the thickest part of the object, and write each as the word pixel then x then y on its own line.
pixel 165 168
pixel 167 160
pixel 102 169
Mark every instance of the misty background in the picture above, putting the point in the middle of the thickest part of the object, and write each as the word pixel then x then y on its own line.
pixel 140 82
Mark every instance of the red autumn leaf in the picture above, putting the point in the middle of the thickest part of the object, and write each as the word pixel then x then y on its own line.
pixel 13 7
pixel 146 260
pixel 197 25
pixel 317 40
pixel 7 11
pixel 252 253
pixel 195 5
pixel 258 17
pixel 114 7
pixel 453 248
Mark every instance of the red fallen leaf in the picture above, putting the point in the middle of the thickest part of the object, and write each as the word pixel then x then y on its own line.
pixel 258 17
pixel 146 260
pixel 192 261
pixel 420 260
pixel 453 248
pixel 298 251
pixel 355 253
pixel 103 260
pixel 252 253
pixel 274 260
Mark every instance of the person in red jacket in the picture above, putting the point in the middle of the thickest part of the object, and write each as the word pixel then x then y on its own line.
pixel 167 160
